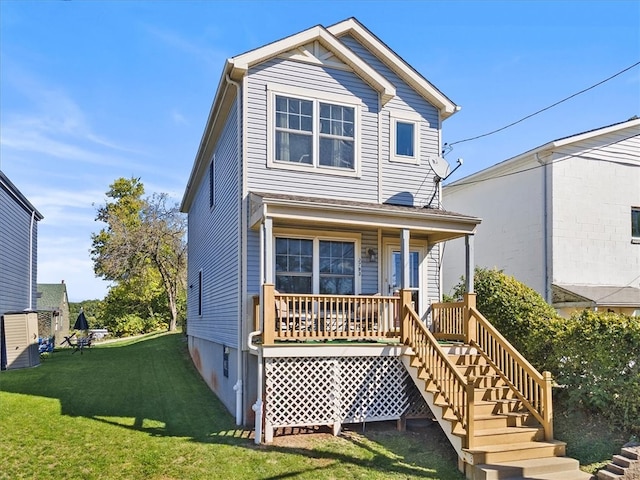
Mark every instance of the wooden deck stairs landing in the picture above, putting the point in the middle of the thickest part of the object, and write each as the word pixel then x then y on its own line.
pixel 499 425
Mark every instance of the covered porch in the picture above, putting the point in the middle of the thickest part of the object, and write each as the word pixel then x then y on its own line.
pixel 334 269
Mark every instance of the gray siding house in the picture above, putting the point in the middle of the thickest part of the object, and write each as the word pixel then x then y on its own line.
pixel 314 240
pixel 18 276
pixel 18 249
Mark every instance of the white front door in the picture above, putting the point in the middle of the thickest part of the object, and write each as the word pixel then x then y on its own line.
pixel 392 273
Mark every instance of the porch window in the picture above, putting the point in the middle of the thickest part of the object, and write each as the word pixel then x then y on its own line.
pixel 305 265
pixel 317 131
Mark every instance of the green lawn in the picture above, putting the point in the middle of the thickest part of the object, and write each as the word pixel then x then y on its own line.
pixel 139 410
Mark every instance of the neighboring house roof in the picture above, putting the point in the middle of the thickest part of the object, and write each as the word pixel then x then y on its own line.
pixel 20 199
pixel 236 68
pixel 609 296
pixel 440 225
pixel 547 147
pixel 50 296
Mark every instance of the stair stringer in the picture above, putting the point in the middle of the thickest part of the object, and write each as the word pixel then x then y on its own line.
pixel 437 410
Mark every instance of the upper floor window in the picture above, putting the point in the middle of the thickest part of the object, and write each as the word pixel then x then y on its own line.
pixel 635 224
pixel 313 132
pixel 405 135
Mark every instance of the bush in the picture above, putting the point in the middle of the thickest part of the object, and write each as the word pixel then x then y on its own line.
pixel 593 356
pixel 597 357
pixel 517 311
pixel 126 325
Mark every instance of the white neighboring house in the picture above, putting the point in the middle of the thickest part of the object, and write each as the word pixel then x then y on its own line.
pixel 563 218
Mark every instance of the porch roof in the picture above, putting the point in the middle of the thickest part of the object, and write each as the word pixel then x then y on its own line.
pixel 438 225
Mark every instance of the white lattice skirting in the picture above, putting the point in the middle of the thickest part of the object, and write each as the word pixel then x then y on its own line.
pixel 303 391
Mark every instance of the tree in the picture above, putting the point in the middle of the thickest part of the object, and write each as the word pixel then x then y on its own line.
pixel 142 236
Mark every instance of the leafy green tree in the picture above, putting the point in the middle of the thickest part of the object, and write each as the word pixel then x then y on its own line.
pixel 142 246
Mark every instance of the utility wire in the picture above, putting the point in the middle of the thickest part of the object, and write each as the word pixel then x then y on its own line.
pixel 449 145
pixel 567 156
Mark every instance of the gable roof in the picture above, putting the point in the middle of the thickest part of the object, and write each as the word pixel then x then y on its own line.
pixel 50 296
pixel 597 295
pixel 547 147
pixel 237 67
pixel 392 60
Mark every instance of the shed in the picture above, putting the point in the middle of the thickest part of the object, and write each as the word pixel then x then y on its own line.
pixel 19 332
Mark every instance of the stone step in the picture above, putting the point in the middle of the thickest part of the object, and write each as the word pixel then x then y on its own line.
pixel 605 474
pixel 531 468
pixel 516 451
pixel 631 452
pixel 617 469
pixel 622 461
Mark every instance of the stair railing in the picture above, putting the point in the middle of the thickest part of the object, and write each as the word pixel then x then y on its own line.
pixel 452 386
pixel 531 387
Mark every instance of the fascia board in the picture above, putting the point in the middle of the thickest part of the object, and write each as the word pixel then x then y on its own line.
pixel 397 64
pixel 212 129
pixel 242 63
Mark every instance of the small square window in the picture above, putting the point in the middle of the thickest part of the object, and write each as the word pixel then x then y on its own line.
pixel 404 137
pixel 405 142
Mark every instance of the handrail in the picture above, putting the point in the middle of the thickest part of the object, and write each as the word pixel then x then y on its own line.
pixel 451 385
pixel 308 317
pixel 531 387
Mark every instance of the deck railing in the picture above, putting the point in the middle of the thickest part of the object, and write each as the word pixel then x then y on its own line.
pixel 328 317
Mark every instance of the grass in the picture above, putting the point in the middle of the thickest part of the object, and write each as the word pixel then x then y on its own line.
pixel 139 410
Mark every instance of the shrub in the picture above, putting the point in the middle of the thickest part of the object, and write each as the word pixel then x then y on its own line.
pixel 517 311
pixel 597 357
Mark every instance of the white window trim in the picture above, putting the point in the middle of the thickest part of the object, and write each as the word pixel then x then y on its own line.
pixel 316 97
pixel 634 239
pixel 356 238
pixel 404 117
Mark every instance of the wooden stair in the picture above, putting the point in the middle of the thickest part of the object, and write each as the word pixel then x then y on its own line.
pixel 508 442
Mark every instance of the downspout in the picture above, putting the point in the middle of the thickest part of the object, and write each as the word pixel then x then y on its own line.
pixel 33 217
pixel 545 229
pixel 239 373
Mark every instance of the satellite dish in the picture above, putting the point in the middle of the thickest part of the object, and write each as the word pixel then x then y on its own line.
pixel 439 165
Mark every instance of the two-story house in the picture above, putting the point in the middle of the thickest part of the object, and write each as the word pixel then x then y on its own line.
pixel 563 218
pixel 314 247
pixel 18 276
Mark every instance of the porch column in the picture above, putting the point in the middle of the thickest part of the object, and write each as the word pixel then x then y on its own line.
pixel 470 262
pixel 268 250
pixel 405 281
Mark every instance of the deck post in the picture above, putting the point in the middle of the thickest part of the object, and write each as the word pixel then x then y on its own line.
pixel 268 314
pixel 469 325
pixel 470 391
pixel 548 406
pixel 405 302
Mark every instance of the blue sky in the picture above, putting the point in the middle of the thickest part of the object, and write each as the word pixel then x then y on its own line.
pixel 94 90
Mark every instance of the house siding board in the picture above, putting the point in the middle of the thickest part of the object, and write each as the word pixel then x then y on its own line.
pixel 214 246
pixel 369 271
pixel 592 232
pixel 405 184
pixel 15 223
pixel 322 80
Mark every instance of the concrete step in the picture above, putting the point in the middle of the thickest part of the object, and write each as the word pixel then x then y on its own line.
pixel 531 468
pixel 630 452
pixel 622 461
pixel 605 474
pixel 507 435
pixel 516 451
pixel 576 475
pixel 617 469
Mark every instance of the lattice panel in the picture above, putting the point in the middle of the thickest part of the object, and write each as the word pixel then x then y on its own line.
pixel 328 390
